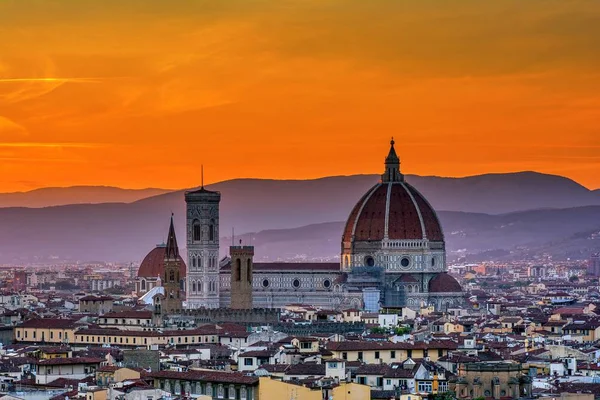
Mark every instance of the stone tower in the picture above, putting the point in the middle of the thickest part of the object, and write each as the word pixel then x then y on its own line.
pixel 171 278
pixel 241 277
pixel 203 248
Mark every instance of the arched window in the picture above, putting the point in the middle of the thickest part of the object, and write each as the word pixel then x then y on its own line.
pixel 211 230
pixel 193 261
pixel 196 231
pixel 200 288
pixel 194 287
pixel 237 274
pixel 199 262
pixel 249 270
pixel 143 284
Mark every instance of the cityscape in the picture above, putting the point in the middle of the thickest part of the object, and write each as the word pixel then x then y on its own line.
pixel 299 200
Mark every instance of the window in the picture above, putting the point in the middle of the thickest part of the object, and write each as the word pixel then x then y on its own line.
pixel 360 355
pixel 409 353
pixel 211 230
pixel 248 361
pixel 442 386
pixel 344 354
pixel 393 354
pixel 377 355
pixel 379 381
pixel 197 232
pixel 440 352
pixel 388 382
pixel 425 387
pixel 333 365
pixel 305 345
pixel 51 335
pixel 296 283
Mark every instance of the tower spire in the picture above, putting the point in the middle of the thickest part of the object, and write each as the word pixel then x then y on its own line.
pixel 172 251
pixel 392 166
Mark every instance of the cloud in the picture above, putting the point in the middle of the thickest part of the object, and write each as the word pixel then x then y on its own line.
pixel 10 130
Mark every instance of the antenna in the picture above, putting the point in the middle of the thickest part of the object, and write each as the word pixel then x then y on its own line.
pixel 233 236
pixel 202 175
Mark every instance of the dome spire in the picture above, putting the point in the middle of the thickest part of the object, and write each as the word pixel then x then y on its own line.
pixel 392 166
pixel 172 251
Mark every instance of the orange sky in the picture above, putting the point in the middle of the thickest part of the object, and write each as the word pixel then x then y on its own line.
pixel 139 93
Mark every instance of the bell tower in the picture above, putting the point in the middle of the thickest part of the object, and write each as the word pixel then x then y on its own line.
pixel 171 279
pixel 202 248
pixel 241 277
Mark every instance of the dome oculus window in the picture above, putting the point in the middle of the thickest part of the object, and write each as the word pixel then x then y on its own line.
pixel 326 283
pixel 296 283
pixel 369 261
pixel 265 283
pixel 405 262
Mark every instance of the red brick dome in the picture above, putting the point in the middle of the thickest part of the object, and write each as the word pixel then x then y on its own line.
pixel 394 210
pixel 444 283
pixel 153 264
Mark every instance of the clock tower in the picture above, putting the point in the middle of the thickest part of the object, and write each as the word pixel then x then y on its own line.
pixel 202 248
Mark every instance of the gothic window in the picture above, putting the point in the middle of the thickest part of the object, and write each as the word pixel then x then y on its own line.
pixel 193 262
pixel 237 274
pixel 249 270
pixel 200 287
pixel 194 287
pixel 171 276
pixel 199 262
pixel 211 230
pixel 196 231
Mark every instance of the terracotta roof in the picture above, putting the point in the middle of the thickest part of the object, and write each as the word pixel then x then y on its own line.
pixel 153 264
pixel 71 361
pixel 408 213
pixel 444 283
pixel 51 323
pixel 207 376
pixel 129 314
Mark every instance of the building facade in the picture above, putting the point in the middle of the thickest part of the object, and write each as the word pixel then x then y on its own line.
pixel 203 284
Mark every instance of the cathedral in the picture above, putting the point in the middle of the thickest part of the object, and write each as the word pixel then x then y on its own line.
pixel 392 256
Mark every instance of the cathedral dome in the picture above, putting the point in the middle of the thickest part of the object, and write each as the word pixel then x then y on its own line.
pixel 153 264
pixel 444 283
pixel 392 210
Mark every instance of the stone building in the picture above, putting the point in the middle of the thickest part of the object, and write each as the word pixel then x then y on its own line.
pixel 392 256
pixel 241 277
pixel 203 248
pixel 173 295
pixel 491 380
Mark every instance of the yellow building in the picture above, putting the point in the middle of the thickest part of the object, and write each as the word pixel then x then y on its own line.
pixel 274 389
pixel 388 352
pixel 47 330
pixel 111 374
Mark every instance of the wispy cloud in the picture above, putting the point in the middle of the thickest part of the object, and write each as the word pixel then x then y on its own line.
pixel 51 145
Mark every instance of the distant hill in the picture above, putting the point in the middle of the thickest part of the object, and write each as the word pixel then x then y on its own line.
pixel 562 233
pixel 127 231
pixel 57 196
pixel 119 232
pixel 490 194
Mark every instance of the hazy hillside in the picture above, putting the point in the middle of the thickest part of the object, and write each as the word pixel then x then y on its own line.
pixel 116 232
pixel 562 232
pixel 47 197
pixel 121 231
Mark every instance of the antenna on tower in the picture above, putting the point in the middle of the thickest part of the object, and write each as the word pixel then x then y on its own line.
pixel 202 175
pixel 233 236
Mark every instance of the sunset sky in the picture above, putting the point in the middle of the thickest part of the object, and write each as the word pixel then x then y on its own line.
pixel 140 93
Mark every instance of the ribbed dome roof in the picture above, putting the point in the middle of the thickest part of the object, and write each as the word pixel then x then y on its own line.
pixel 444 283
pixel 392 210
pixel 153 264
